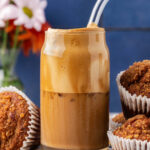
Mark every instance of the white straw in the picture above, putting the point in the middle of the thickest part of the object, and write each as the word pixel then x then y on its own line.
pixel 94 11
pixel 100 11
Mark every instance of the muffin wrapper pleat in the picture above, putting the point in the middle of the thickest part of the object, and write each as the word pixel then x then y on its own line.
pixel 132 104
pixel 113 125
pixel 33 132
pixel 119 143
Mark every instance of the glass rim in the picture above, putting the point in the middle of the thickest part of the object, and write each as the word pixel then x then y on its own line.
pixel 76 30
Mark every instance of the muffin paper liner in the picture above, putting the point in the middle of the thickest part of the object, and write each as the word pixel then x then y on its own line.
pixel 119 143
pixel 113 125
pixel 33 132
pixel 132 104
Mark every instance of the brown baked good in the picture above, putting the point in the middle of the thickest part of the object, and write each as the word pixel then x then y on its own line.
pixel 137 127
pixel 134 89
pixel 14 120
pixel 136 79
pixel 119 118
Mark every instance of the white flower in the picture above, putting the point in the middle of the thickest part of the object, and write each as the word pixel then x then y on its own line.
pixel 7 11
pixel 31 13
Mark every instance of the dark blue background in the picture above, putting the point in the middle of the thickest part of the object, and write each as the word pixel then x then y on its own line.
pixel 130 44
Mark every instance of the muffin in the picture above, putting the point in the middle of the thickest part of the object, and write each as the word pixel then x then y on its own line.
pixel 133 134
pixel 116 120
pixel 19 120
pixel 134 89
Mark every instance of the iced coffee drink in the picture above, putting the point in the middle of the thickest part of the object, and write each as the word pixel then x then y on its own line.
pixel 75 89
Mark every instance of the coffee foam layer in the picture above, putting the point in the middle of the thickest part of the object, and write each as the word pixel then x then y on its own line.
pixel 75 61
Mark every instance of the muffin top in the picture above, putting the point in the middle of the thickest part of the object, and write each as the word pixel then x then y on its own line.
pixel 14 118
pixel 119 118
pixel 137 127
pixel 136 79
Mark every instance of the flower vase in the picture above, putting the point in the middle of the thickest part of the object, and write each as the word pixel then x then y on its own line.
pixel 8 58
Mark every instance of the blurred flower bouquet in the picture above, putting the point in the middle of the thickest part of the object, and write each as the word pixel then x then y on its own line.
pixel 22 26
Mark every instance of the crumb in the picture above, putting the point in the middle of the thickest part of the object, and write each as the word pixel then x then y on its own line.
pixel 119 118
